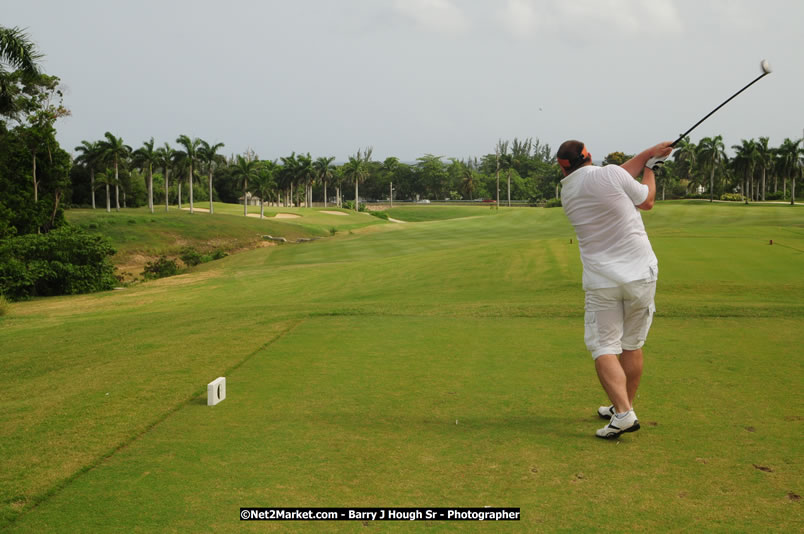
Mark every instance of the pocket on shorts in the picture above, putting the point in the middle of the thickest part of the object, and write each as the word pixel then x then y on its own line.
pixel 591 336
pixel 648 322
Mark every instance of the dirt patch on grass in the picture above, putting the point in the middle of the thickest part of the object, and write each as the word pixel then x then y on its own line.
pixel 335 213
pixel 205 210
pixel 184 279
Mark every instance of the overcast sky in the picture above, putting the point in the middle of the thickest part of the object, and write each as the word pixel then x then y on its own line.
pixel 411 77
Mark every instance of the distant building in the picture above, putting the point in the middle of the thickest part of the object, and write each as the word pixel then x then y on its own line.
pixel 251 200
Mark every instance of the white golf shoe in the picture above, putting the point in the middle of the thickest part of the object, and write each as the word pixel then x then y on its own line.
pixel 627 423
pixel 606 412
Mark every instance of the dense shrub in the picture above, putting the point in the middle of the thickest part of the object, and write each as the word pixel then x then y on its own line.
pixel 190 256
pixel 218 254
pixel 552 203
pixel 732 197
pixel 65 261
pixel 160 268
pixel 778 195
pixel 380 214
pixel 350 205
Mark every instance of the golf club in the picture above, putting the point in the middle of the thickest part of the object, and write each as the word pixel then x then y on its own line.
pixel 765 71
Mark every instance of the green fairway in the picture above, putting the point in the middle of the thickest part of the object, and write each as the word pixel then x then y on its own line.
pixel 437 363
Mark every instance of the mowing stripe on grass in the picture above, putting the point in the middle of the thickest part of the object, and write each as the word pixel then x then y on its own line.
pixel 37 500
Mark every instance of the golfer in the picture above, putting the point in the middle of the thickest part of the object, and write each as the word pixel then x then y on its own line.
pixel 619 268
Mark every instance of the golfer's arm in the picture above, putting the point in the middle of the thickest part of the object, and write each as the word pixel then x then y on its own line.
pixel 635 165
pixel 649 179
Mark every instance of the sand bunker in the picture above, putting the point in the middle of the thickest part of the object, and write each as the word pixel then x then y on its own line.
pixel 287 216
pixel 205 210
pixel 334 212
pixel 396 221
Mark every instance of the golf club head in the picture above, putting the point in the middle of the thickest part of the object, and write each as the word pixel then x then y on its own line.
pixel 765 66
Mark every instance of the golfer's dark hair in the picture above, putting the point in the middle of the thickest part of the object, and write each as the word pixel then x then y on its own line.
pixel 570 155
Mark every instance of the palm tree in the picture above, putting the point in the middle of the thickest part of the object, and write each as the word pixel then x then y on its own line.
pixel 189 155
pixel 685 156
pixel 166 156
pixel 90 157
pixel 287 177
pixel 106 179
pixel 744 161
pixel 391 166
pixel 764 158
pixel 790 157
pixel 711 153
pixel 323 171
pixel 146 156
pixel 208 154
pixel 18 53
pixel 263 184
pixel 357 169
pixel 500 150
pixel 468 180
pixel 113 149
pixel 305 174
pixel 338 176
pixel 242 170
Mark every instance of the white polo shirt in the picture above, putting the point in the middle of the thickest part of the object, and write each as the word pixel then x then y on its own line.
pixel 601 203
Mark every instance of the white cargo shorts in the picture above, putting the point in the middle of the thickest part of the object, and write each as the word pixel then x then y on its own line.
pixel 618 318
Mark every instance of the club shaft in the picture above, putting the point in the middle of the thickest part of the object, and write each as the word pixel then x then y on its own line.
pixel 682 136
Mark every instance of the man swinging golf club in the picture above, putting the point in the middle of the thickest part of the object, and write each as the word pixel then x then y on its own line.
pixel 619 268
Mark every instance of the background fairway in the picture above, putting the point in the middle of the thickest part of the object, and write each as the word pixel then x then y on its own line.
pixel 349 360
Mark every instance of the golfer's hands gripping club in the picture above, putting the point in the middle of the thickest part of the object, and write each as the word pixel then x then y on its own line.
pixel 659 153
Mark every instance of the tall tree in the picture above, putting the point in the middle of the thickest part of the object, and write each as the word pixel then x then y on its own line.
pixel 501 150
pixel 712 155
pixel 791 154
pixel 208 154
pixel 263 184
pixel 468 180
pixel 19 54
pixel 686 157
pixel 90 157
pixel 243 170
pixel 323 171
pixel 107 179
pixel 116 152
pixel 391 167
pixel 288 175
pixel 357 169
pixel 745 158
pixel 305 173
pixel 190 156
pixel 146 157
pixel 166 156
pixel 764 160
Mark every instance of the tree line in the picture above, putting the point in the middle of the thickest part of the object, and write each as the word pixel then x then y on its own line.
pixel 754 173
pixel 518 170
pixel 156 175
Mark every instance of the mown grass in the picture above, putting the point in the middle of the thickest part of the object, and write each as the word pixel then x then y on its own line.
pixel 420 213
pixel 350 360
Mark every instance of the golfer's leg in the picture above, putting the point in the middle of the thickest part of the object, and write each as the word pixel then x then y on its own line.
pixel 631 362
pixel 612 378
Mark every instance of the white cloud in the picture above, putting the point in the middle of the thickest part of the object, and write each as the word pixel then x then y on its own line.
pixel 440 16
pixel 524 18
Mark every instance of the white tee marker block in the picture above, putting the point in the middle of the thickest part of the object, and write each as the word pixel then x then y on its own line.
pixel 216 391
